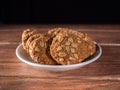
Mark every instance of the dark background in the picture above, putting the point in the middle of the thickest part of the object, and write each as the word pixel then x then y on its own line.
pixel 42 12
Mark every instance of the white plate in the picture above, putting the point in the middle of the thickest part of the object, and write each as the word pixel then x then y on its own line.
pixel 23 56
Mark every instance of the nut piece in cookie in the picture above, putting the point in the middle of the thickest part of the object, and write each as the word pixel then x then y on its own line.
pixel 70 47
pixel 25 36
pixel 39 51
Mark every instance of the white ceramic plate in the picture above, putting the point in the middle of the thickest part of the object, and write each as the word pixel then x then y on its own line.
pixel 23 56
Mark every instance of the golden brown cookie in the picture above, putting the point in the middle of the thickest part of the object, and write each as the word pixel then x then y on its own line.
pixel 55 31
pixel 70 47
pixel 25 35
pixel 32 38
pixel 39 50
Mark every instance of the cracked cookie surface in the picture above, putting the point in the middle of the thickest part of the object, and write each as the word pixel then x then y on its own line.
pixel 70 47
pixel 55 31
pixel 39 51
pixel 32 38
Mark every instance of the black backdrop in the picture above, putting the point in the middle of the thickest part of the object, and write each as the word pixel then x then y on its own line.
pixel 38 11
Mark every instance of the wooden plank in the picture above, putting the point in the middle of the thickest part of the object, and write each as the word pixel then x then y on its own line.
pixel 101 37
pixel 108 64
pixel 18 83
pixel 7 53
pixel 10 36
pixel 90 27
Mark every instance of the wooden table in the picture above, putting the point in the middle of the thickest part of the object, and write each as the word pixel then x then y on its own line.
pixel 103 74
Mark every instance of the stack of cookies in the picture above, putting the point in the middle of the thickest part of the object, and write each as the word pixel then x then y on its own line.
pixel 58 46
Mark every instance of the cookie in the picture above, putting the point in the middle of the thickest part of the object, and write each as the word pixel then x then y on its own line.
pixel 32 38
pixel 70 47
pixel 55 31
pixel 39 50
pixel 25 35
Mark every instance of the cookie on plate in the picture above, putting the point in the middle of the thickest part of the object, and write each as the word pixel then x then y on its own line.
pixel 25 36
pixel 39 51
pixel 32 38
pixel 55 31
pixel 70 47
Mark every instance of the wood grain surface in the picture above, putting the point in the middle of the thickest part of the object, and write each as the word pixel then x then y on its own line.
pixel 103 74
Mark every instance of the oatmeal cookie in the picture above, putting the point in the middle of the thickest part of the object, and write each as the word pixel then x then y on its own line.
pixel 70 47
pixel 32 38
pixel 39 51
pixel 55 31
pixel 25 35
